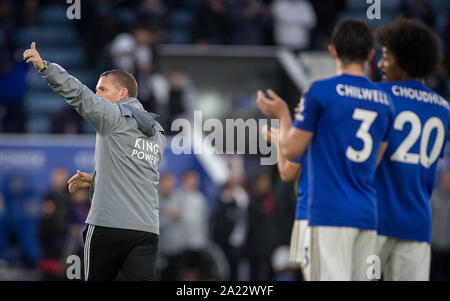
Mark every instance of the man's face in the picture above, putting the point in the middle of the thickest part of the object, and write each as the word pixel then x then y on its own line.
pixel 108 89
pixel 391 71
pixel 191 181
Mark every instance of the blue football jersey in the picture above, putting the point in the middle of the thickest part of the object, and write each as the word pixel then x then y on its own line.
pixel 405 178
pixel 350 117
pixel 301 209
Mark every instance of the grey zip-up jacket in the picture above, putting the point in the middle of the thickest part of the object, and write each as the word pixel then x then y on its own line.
pixel 128 149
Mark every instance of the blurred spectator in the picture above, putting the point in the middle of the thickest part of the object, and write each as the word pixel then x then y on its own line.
pixel 8 19
pixel 171 238
pixel 248 22
pixel 155 14
pixel 326 11
pixel 195 218
pixel 144 56
pixel 440 240
pixel 260 214
pixel 54 223
pixel 230 221
pixel 135 54
pixel 283 213
pixel 19 245
pixel 284 270
pixel 175 98
pixel 66 121
pixel 446 40
pixel 100 27
pixel 211 25
pixel 79 209
pixel 13 86
pixel 438 82
pixel 293 21
pixel 122 51
pixel 29 12
pixel 418 9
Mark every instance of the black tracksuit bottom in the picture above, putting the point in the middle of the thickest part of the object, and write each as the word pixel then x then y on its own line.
pixel 119 254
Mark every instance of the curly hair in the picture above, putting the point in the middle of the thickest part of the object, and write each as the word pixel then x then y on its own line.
pixel 413 45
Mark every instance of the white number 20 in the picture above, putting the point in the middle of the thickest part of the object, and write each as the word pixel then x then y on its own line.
pixel 402 153
pixel 367 118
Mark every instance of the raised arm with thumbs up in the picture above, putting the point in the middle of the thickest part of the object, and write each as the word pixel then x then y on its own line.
pixel 32 55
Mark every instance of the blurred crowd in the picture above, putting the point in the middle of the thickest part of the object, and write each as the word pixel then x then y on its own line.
pixel 125 34
pixel 39 233
pixel 245 233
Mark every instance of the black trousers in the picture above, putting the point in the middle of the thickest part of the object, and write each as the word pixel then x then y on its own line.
pixel 119 254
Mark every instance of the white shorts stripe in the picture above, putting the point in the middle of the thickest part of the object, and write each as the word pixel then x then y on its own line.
pixel 87 246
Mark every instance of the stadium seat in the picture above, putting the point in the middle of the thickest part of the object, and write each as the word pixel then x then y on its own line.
pixel 126 16
pixel 43 103
pixel 52 14
pixel 37 85
pixel 180 37
pixel 89 78
pixel 66 57
pixel 441 21
pixel 40 125
pixel 47 36
pixel 181 22
pixel 439 5
pixel 181 19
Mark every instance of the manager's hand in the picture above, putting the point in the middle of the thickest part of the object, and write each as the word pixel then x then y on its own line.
pixel 79 180
pixel 32 55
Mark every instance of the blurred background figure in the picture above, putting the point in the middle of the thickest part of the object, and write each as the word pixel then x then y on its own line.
pixel 230 221
pixel 208 55
pixel 440 240
pixel 211 23
pixel 79 209
pixel 181 98
pixel 259 243
pixel 19 242
pixel 13 86
pixel 66 121
pixel 54 225
pixel 123 49
pixel 250 22
pixel 155 14
pixel 171 239
pixel 293 22
pixel 284 270
pixel 418 9
pixel 194 218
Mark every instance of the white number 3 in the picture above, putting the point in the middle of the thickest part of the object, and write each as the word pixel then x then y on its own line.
pixel 367 118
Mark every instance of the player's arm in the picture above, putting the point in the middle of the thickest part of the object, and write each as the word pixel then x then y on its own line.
pixel 288 170
pixel 100 113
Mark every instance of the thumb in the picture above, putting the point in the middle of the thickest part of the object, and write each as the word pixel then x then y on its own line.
pixel 33 45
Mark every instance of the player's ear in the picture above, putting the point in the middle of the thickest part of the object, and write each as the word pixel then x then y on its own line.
pixel 371 55
pixel 332 51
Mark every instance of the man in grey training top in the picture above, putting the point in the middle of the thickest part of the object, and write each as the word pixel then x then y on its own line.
pixel 121 237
